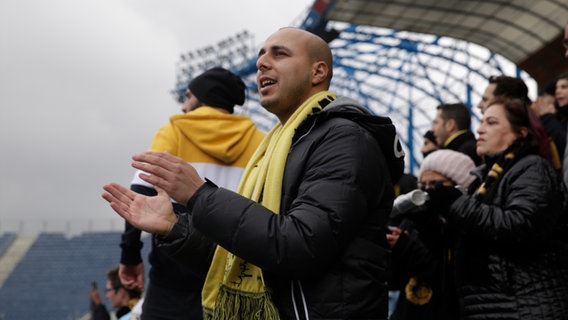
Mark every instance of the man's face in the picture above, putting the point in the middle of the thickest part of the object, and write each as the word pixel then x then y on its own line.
pixel 114 295
pixel 439 128
pixel 486 97
pixel 191 102
pixel 565 42
pixel 284 76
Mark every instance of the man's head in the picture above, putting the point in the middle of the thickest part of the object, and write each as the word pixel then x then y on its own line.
pixel 293 65
pixel 216 87
pixel 116 293
pixel 503 86
pixel 430 145
pixel 450 118
pixel 446 167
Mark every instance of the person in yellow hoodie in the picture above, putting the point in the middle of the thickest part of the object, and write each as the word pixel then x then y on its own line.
pixel 218 144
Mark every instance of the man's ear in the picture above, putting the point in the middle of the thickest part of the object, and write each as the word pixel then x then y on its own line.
pixel 450 125
pixel 320 72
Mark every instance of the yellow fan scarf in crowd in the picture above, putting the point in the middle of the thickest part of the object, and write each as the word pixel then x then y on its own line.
pixel 234 288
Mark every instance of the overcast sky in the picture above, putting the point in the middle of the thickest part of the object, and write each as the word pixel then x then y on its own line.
pixel 84 84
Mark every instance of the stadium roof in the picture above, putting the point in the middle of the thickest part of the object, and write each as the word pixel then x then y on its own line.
pixel 527 32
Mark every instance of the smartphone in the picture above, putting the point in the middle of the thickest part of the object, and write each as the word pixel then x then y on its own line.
pixel 94 284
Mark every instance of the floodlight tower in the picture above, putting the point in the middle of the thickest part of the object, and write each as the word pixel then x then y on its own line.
pixel 230 53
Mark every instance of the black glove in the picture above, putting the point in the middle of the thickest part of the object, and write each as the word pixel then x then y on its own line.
pixel 442 197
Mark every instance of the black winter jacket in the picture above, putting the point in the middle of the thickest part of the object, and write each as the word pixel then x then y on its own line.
pixel 512 256
pixel 466 143
pixel 325 255
pixel 422 253
pixel 556 130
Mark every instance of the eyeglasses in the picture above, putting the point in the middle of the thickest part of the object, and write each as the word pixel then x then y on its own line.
pixel 111 289
pixel 425 185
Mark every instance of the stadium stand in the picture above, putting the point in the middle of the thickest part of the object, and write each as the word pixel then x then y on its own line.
pixel 5 241
pixel 53 278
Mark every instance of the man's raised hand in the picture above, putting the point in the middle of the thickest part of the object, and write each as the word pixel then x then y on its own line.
pixel 151 214
pixel 163 170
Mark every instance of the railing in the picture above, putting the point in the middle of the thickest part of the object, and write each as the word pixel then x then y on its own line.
pixel 68 227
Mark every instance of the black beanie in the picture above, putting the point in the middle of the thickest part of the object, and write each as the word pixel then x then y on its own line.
pixel 430 136
pixel 218 87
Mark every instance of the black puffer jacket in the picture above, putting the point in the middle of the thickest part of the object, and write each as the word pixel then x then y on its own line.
pixel 512 257
pixel 465 143
pixel 325 254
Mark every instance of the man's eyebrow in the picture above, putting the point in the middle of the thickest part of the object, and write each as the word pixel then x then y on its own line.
pixel 273 48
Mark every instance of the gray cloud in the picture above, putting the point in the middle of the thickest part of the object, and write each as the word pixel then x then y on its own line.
pixel 85 84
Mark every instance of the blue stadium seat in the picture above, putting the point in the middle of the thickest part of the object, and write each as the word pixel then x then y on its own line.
pixel 53 279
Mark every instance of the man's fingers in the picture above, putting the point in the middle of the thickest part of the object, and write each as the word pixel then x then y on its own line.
pixel 122 210
pixel 158 159
pixel 127 282
pixel 109 195
pixel 154 174
pixel 140 283
pixel 153 156
pixel 119 199
pixel 158 182
pixel 130 285
pixel 119 192
pixel 161 191
pixel 116 195
pixel 157 163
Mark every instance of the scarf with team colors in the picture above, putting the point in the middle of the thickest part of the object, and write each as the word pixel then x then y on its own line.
pixel 234 288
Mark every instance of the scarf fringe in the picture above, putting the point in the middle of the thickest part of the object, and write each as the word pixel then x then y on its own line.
pixel 233 304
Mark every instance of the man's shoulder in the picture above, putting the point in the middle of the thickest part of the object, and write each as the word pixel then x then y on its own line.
pixel 461 141
pixel 466 143
pixel 348 113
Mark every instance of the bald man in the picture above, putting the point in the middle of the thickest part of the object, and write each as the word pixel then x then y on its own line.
pixel 304 234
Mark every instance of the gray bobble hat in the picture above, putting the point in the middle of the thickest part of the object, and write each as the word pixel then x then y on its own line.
pixel 452 164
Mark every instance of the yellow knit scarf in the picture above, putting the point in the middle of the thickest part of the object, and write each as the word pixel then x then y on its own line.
pixel 234 288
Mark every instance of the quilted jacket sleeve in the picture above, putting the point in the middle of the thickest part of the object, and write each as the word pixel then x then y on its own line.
pixel 525 209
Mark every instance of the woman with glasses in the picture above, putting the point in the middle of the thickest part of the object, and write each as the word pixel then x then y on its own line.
pixel 420 246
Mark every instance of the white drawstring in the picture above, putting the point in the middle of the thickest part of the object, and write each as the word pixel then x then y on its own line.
pixel 303 300
pixel 294 300
pixel 305 134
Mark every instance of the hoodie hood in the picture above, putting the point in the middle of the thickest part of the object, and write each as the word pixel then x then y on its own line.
pixel 219 135
pixel 381 128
